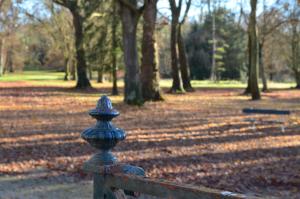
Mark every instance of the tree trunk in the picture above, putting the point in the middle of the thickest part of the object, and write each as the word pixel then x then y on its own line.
pixel 295 53
pixel 114 45
pixel 213 75
pixel 2 57
pixel 10 63
pixel 73 69
pixel 248 88
pixel 184 68
pixel 66 78
pixel 100 75
pixel 129 18
pixel 262 67
pixel 253 52
pixel 176 85
pixel 297 80
pixel 82 80
pixel 149 66
pixel 90 72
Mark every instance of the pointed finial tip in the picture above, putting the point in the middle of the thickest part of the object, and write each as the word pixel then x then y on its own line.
pixel 104 103
pixel 104 109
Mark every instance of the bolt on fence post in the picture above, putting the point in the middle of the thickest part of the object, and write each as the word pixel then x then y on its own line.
pixel 104 136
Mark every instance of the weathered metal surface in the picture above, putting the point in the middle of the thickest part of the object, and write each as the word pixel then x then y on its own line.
pixel 266 111
pixel 253 121
pixel 104 136
pixel 113 169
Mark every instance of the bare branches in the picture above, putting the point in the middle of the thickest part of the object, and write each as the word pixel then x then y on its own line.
pixel 133 7
pixel 173 6
pixel 271 21
pixel 129 5
pixel 188 5
pixel 176 9
pixel 1 3
pixel 179 6
pixel 61 2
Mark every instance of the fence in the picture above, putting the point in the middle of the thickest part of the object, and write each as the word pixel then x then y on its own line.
pixel 114 181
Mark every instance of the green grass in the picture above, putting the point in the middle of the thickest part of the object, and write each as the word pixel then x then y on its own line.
pixel 228 84
pixel 32 76
pixel 56 78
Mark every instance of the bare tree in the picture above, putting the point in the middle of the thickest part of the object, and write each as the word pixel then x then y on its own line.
pixel 184 68
pixel 80 10
pixel 8 41
pixel 213 73
pixel 253 52
pixel 114 46
pixel 178 52
pixel 149 67
pixel 294 37
pixel 270 20
pixel 130 14
pixel 175 9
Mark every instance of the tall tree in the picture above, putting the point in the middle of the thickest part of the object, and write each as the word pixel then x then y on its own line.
pixel 270 20
pixel 9 43
pixel 178 51
pixel 229 51
pixel 184 68
pixel 294 59
pixel 130 14
pixel 114 45
pixel 1 44
pixel 80 10
pixel 213 73
pixel 253 52
pixel 60 29
pixel 62 24
pixel 102 41
pixel 175 10
pixel 149 67
pixel 261 42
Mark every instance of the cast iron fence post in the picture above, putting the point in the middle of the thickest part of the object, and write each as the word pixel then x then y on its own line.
pixel 104 136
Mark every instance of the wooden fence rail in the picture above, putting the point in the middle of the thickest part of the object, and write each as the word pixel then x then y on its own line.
pixel 153 187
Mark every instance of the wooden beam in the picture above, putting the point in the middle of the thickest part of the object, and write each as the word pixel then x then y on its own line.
pixel 161 188
pixel 166 189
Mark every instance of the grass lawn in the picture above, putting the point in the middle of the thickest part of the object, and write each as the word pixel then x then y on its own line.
pixel 32 76
pixel 56 78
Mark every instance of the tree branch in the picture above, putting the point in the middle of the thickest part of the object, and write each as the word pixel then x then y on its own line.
pixel 188 5
pixel 1 3
pixel 172 5
pixel 129 5
pixel 179 7
pixel 61 2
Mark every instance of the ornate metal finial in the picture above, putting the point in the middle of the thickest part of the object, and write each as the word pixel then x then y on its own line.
pixel 104 109
pixel 104 135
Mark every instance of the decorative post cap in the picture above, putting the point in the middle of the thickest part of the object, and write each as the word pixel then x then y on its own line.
pixel 104 109
pixel 104 135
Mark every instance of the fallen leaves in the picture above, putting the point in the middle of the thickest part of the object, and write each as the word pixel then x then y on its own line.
pixel 200 138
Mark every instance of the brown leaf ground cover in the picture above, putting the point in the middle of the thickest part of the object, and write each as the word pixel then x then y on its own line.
pixel 201 138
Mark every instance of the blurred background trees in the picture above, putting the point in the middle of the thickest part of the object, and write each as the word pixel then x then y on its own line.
pixel 143 41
